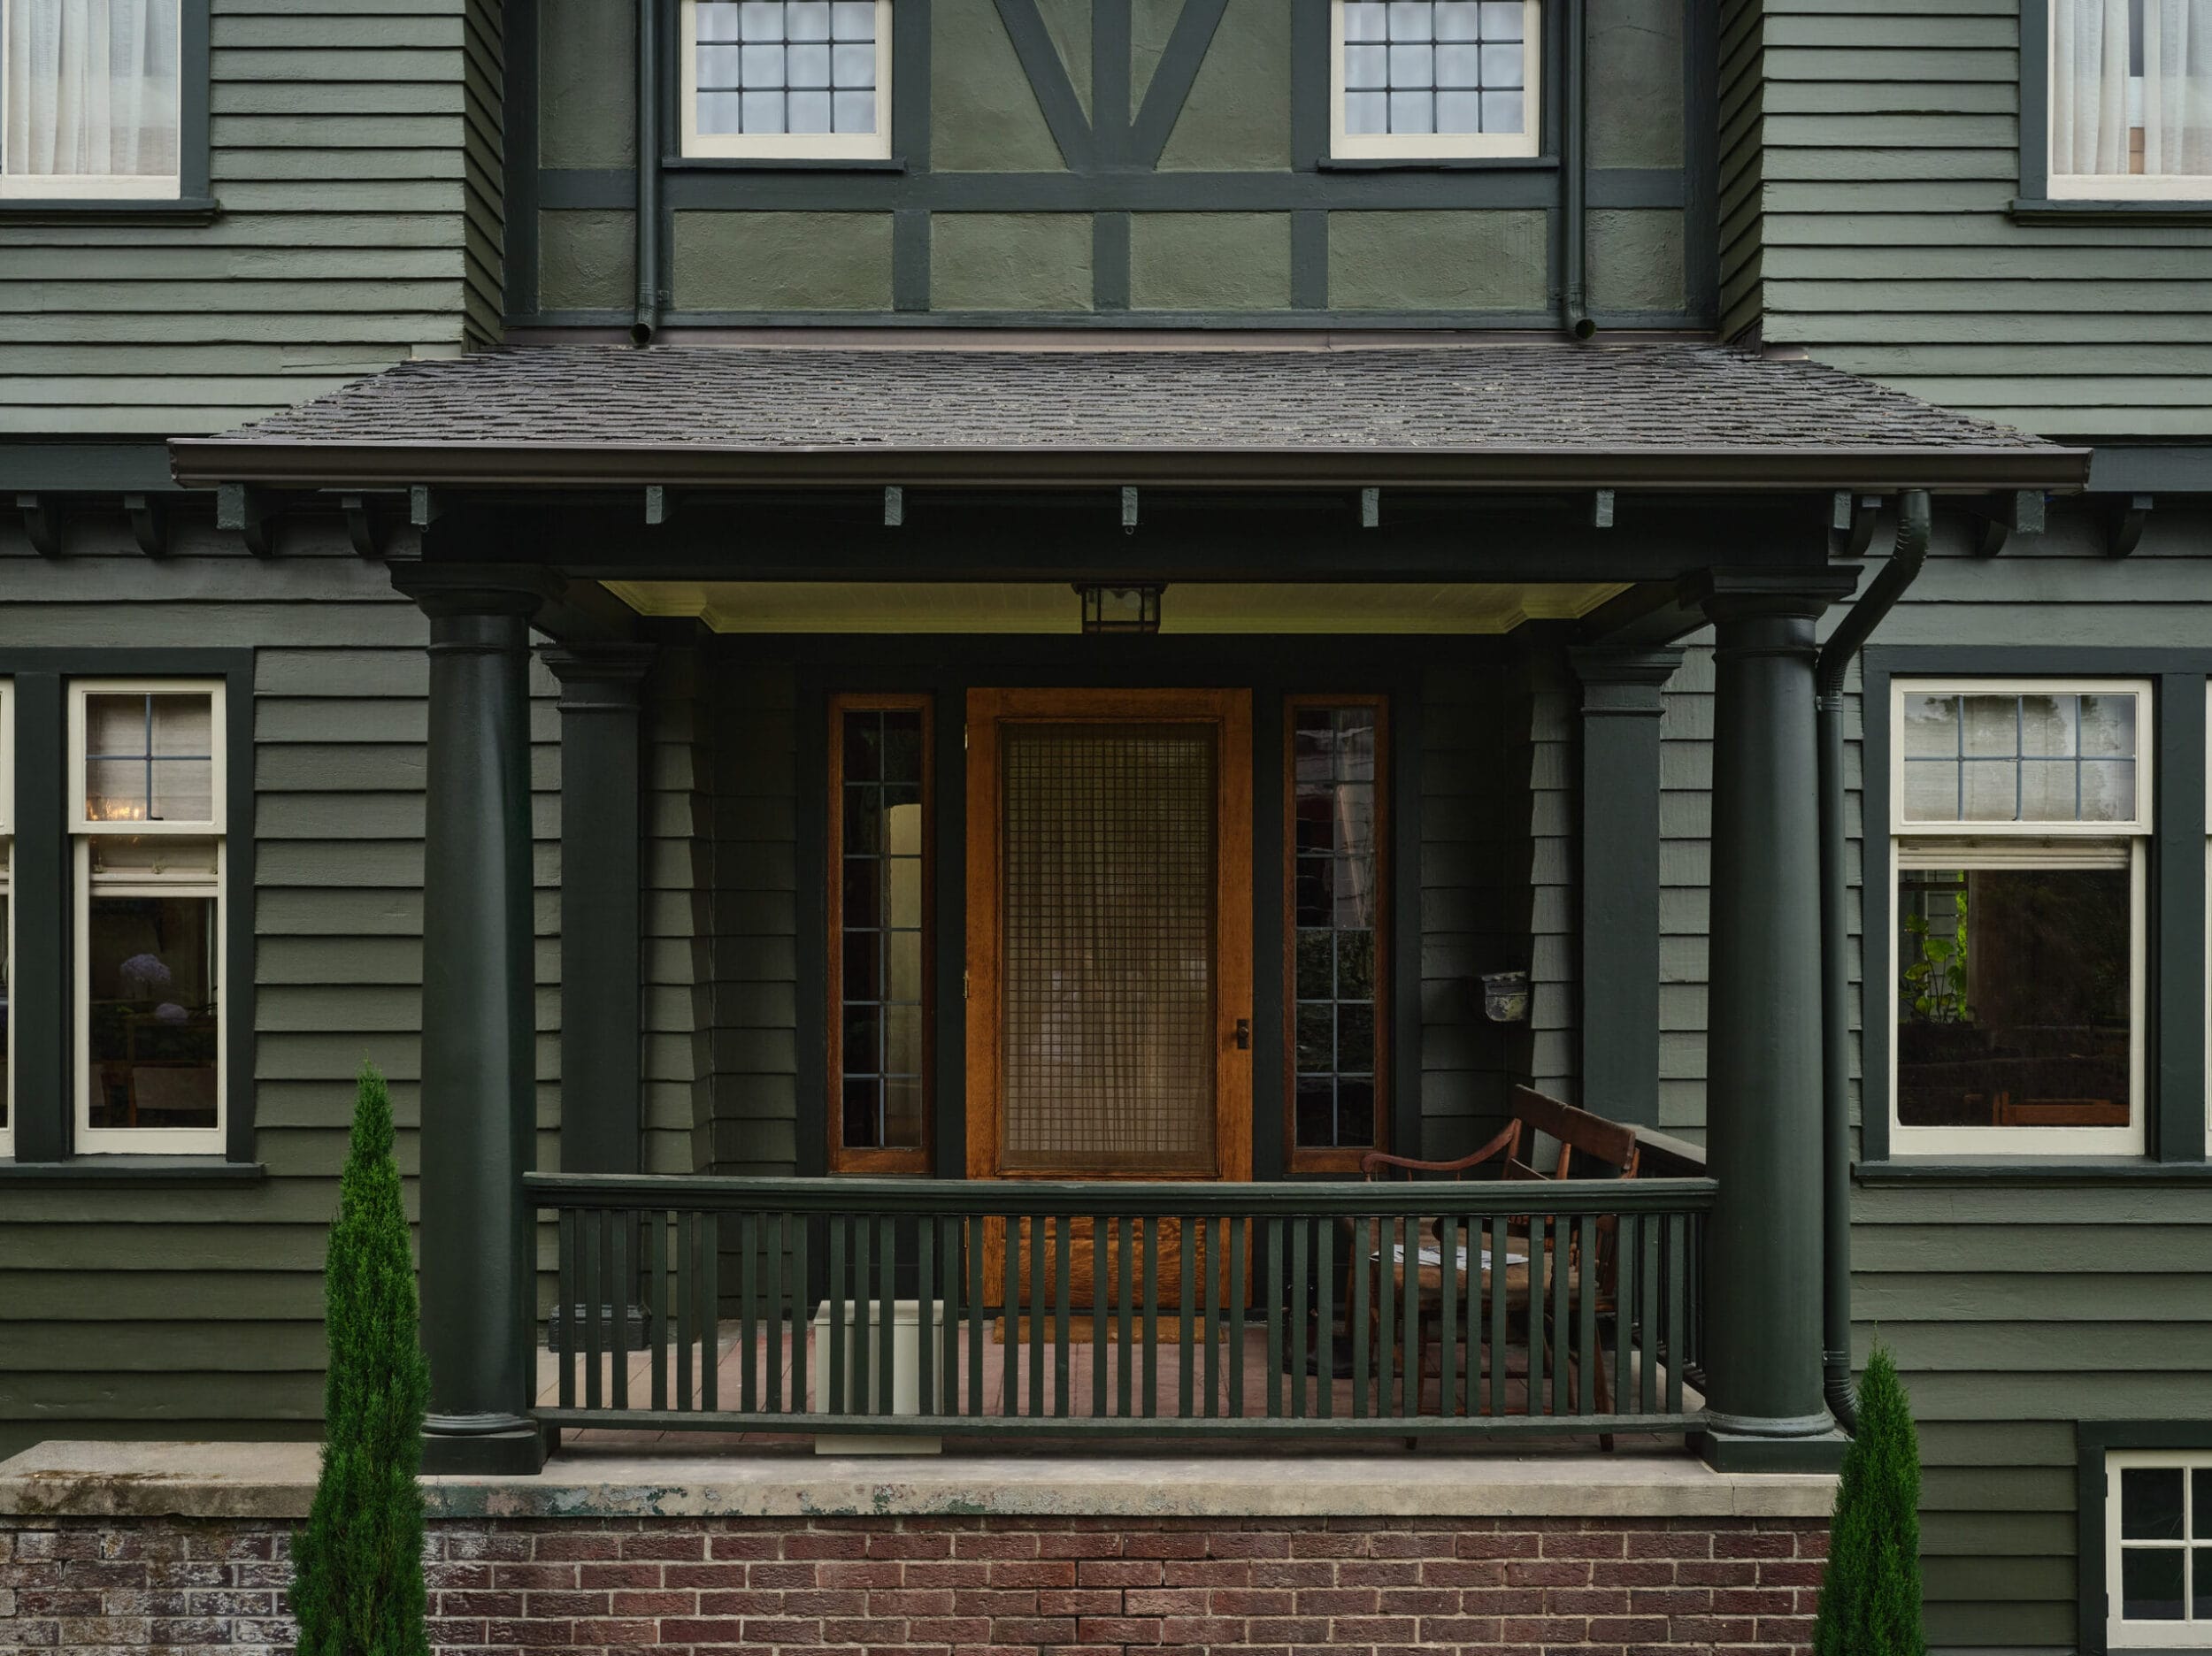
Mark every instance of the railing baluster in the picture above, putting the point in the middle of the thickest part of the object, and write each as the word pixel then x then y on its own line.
pixel 801 1318
pixel 1239 1294
pixel 1010 1323
pixel 1387 1315
pixel 947 1334
pixel 887 1313
pixel 1411 1289
pixel 1125 1269
pixel 1324 1317
pixel 1500 1354
pixel 1627 1306
pixel 565 1288
pixel 1101 1274
pixel 1563 1272
pixel 771 1310
pixel 1300 1296
pixel 748 1292
pixel 1587 1331
pixel 1448 1306
pixel 925 1319
pixel 1677 1276
pixel 977 1228
pixel 595 1394
pixel 839 1314
pixel 1039 1246
pixel 863 1400
pixel 1151 1224
pixel 1063 1352
pixel 1274 1287
pixel 655 1302
pixel 1186 1364
pixel 1538 1312
pixel 1209 1266
pixel 686 1296
pixel 1363 1280
pixel 710 1310
pixel 620 1276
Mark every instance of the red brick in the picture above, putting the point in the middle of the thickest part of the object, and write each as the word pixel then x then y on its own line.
pixel 1033 1630
pixel 1177 1545
pixel 1080 1601
pixel 818 1545
pixel 713 1576
pixel 1742 1545
pixel 1032 1572
pixel 1546 1573
pixel 1287 1630
pixel 908 1601
pixel 1371 1629
pixel 1293 1572
pixel 1503 1543
pixel 1335 1601
pixel 988 1545
pixel 1119 1573
pixel 744 1546
pixel 909 1544
pixel 1248 1545
pixel 859 1573
pixel 664 1544
pixel 583 1545
pixel 607 1576
pixel 1166 1601
pixel 971 1573
pixel 1209 1572
pixel 1118 1629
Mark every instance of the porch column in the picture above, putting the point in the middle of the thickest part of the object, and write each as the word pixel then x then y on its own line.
pixel 1622 699
pixel 1762 1341
pixel 479 1063
pixel 600 881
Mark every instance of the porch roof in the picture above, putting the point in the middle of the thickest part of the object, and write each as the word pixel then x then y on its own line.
pixel 1659 416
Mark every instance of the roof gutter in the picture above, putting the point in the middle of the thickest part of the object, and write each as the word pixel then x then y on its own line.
pixel 1905 560
pixel 203 461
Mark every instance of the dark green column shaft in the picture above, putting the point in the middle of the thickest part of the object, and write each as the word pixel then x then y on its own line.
pixel 1764 1067
pixel 602 867
pixel 1622 700
pixel 479 1063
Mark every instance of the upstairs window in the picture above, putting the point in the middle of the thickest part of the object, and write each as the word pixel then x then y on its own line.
pixel 2131 99
pixel 1433 80
pixel 89 99
pixel 788 79
pixel 2021 815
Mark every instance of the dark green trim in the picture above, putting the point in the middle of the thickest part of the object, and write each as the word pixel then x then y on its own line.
pixel 910 83
pixel 101 210
pixel 520 157
pixel 148 1172
pixel 2093 1439
pixel 570 327
pixel 2035 104
pixel 1437 163
pixel 1701 156
pixel 1047 77
pixel 674 162
pixel 1731 1451
pixel 1111 46
pixel 1173 78
pixel 1109 261
pixel 1276 1429
pixel 89 468
pixel 2173 1038
pixel 810 866
pixel 2151 468
pixel 1309 87
pixel 1310 259
pixel 843 190
pixel 1408 728
pixel 910 260
pixel 42 1022
pixel 2027 210
pixel 2087 1172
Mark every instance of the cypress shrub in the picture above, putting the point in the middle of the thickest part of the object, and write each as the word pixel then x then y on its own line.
pixel 1869 1595
pixel 356 1569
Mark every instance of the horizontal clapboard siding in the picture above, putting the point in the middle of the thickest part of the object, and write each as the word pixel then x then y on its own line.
pixel 354 150
pixel 1866 218
pixel 198 1313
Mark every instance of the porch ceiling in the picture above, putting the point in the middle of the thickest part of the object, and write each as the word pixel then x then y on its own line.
pixel 1670 416
pixel 1190 606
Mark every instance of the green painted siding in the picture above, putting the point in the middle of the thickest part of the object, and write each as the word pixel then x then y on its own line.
pixel 1866 188
pixel 355 151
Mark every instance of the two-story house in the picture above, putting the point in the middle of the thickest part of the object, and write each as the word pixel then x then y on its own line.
pixel 936 675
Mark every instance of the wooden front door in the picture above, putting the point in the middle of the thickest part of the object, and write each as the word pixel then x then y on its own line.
pixel 1109 942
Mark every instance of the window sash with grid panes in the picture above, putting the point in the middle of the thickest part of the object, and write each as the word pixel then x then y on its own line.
pixel 90 112
pixel 1435 78
pixel 2158 1549
pixel 1336 1035
pixel 881 932
pixel 792 79
pixel 146 776
pixel 2017 962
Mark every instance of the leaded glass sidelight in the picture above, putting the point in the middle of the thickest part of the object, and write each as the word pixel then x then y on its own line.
pixel 1336 927
pixel 880 931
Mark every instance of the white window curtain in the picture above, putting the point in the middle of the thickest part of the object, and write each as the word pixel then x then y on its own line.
pixel 90 88
pixel 2119 65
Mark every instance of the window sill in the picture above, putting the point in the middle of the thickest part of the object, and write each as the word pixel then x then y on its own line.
pixel 2026 210
pixel 190 209
pixel 783 163
pixel 1438 164
pixel 2035 1170
pixel 133 1170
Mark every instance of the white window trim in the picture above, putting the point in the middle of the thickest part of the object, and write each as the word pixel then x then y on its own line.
pixel 2120 1634
pixel 2145 749
pixel 875 146
pixel 162 1140
pixel 2063 186
pixel 81 688
pixel 1441 146
pixel 93 186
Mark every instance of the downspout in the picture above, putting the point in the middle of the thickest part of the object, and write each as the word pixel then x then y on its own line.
pixel 649 173
pixel 1574 315
pixel 1858 625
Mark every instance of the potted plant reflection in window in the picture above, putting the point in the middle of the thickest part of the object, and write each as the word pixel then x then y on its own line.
pixel 1935 984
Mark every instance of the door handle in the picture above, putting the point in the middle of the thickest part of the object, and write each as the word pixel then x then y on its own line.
pixel 1244 1035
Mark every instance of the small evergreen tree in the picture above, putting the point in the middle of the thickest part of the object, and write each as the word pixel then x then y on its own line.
pixel 1869 1595
pixel 356 1569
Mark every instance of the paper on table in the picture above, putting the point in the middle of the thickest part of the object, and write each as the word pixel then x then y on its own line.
pixel 1431 1254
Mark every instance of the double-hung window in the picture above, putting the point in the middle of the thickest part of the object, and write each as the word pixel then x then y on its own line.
pixel 2157 1549
pixel 91 103
pixel 2020 813
pixel 146 821
pixel 786 80
pixel 2131 99
pixel 1433 80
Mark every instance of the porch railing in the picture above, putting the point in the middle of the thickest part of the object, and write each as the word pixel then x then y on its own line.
pixel 1036 1309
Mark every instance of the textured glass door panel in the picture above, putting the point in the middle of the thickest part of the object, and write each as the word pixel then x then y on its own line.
pixel 1109 968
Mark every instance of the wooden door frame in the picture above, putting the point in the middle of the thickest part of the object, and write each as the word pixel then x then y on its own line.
pixel 1230 712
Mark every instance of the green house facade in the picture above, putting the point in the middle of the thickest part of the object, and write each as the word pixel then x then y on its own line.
pixel 926 665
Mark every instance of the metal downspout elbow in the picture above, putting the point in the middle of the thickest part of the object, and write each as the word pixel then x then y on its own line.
pixel 1906 558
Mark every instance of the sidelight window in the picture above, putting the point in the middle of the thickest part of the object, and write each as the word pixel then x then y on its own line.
pixel 1417 80
pixel 792 80
pixel 2018 958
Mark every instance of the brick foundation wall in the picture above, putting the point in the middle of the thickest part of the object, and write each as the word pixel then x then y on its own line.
pixel 1073 1586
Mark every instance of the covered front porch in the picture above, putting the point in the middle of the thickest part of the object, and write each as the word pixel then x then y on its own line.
pixel 1001 1192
